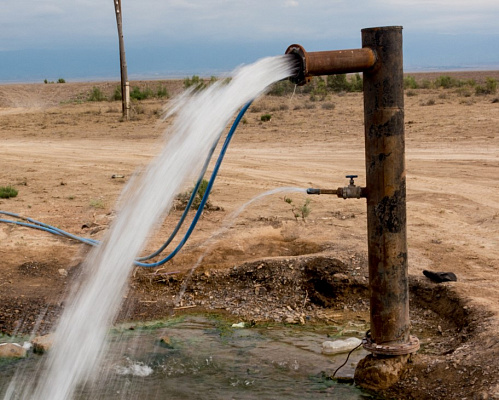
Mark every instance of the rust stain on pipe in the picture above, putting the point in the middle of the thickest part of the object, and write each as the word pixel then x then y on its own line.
pixel 329 62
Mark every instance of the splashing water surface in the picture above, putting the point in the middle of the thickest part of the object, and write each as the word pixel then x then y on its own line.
pixel 79 342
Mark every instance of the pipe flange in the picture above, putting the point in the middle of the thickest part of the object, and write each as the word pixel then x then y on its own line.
pixel 394 349
pixel 301 76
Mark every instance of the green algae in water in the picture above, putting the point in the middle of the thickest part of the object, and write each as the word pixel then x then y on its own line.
pixel 208 359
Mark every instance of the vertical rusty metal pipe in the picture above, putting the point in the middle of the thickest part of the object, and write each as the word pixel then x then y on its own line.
pixel 386 189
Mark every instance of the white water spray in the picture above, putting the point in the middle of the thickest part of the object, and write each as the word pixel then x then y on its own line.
pixel 80 337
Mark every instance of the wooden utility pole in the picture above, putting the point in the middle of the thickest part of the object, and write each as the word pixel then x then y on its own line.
pixel 125 86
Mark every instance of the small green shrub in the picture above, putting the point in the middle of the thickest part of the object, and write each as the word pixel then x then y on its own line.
pixel 446 82
pixel 196 82
pixel 138 94
pixel 61 80
pixel 265 117
pixel 489 88
pixel 463 92
pixel 302 211
pixel 338 83
pixel 96 95
pixel 356 83
pixel 410 82
pixel 116 94
pixel 162 92
pixel 425 84
pixel 7 192
pixel 281 88
pixel 319 91
pixel 183 198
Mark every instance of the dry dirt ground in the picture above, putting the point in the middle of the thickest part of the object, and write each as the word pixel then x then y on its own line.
pixel 61 152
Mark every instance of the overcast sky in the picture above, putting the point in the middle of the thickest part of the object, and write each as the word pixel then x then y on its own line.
pixel 163 36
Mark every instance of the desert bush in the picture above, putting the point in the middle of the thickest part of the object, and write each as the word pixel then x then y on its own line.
pixel 338 83
pixel 96 95
pixel 281 88
pixel 328 106
pixel 425 84
pixel 446 82
pixel 195 82
pixel 489 88
pixel 137 94
pixel 7 192
pixel 429 102
pixel 356 83
pixel 116 94
pixel 463 92
pixel 256 108
pixel 266 117
pixel 319 91
pixel 162 92
pixel 467 102
pixel 183 198
pixel 61 80
pixel 411 93
pixel 410 82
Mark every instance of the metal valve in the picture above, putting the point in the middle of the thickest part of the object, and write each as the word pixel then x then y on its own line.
pixel 351 191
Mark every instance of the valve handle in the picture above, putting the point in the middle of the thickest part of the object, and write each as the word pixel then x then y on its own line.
pixel 352 183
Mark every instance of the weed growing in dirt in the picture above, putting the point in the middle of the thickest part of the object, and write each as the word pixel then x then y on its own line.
pixel 302 211
pixel 97 203
pixel 429 102
pixel 265 117
pixel 328 106
pixel 96 95
pixel 183 198
pixel 7 192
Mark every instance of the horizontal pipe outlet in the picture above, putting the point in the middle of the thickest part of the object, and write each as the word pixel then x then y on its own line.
pixel 329 62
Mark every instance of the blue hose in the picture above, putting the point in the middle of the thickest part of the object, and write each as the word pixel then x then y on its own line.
pixel 187 207
pixel 56 231
pixel 206 194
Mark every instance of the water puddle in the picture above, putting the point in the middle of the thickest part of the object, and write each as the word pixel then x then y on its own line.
pixel 203 357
